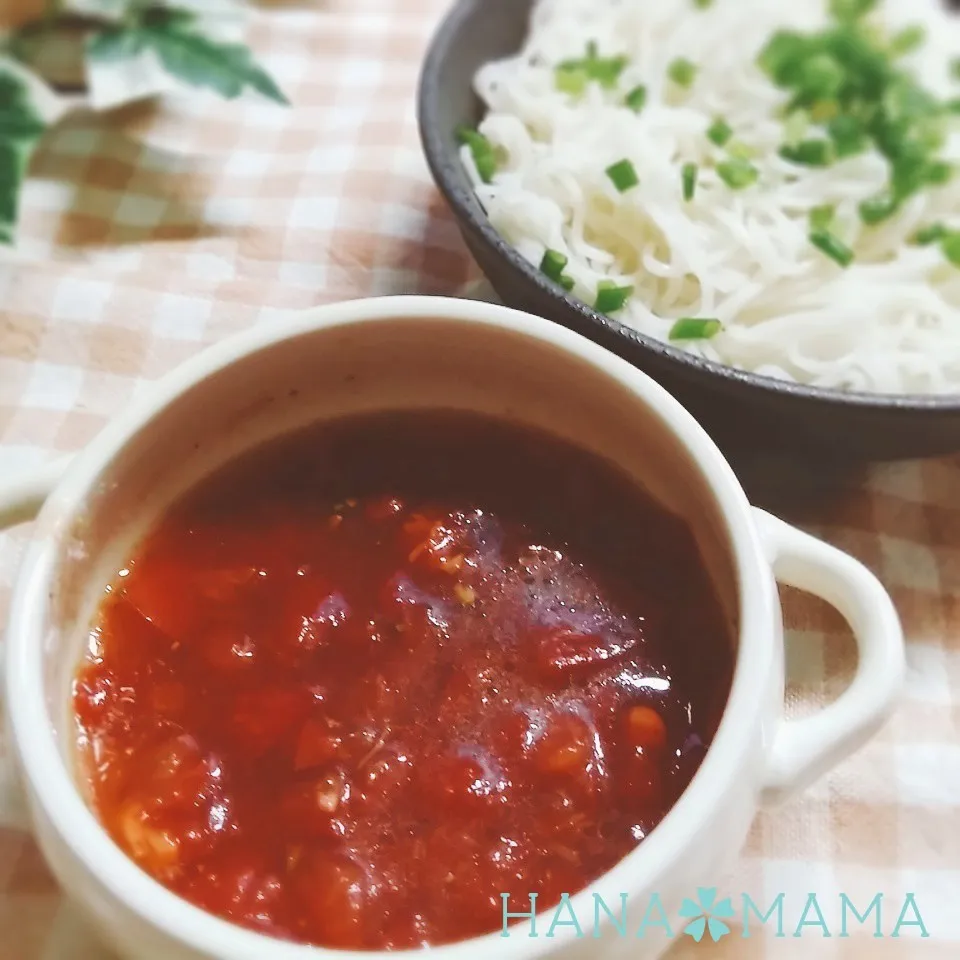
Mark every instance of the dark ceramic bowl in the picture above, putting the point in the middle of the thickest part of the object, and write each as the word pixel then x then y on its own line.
pixel 742 411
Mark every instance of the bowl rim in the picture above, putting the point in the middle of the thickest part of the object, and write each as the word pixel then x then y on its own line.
pixel 731 771
pixel 462 198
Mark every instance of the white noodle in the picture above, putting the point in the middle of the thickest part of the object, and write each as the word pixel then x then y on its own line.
pixel 889 323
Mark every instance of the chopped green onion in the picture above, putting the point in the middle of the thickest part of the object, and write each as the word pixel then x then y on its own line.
pixel 931 234
pixel 848 79
pixel 780 59
pixel 694 328
pixel 908 173
pixel 931 133
pixel 849 10
pixel 809 153
pixel 552 266
pixel 682 72
pixel 571 80
pixel 823 111
pixel 689 179
pixel 835 249
pixel 719 132
pixel 879 208
pixel 796 126
pixel 820 79
pixel 848 136
pixel 623 175
pixel 636 99
pixel 607 71
pixel 950 245
pixel 821 217
pixel 939 172
pixel 737 173
pixel 741 151
pixel 572 76
pixel 483 152
pixel 904 100
pixel 907 40
pixel 553 263
pixel 610 297
pixel 702 4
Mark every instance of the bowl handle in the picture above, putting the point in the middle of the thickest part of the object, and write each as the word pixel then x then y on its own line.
pixel 803 750
pixel 21 498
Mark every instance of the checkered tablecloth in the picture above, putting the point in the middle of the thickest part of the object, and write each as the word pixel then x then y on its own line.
pixel 154 231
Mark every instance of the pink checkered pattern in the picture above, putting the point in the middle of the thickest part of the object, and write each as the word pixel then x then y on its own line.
pixel 159 229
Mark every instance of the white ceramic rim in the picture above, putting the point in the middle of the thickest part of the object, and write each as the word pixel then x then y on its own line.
pixel 53 787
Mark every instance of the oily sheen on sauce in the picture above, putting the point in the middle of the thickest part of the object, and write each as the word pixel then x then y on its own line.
pixel 373 675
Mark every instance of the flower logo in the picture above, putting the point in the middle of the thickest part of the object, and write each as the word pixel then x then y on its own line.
pixel 706 914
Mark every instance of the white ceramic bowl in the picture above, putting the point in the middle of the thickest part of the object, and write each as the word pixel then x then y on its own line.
pixel 425 352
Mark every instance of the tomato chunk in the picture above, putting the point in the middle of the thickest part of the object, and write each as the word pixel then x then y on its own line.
pixel 645 728
pixel 265 716
pixel 562 653
pixel 334 894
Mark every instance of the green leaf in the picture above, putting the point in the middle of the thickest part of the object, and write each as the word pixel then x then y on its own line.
pixel 227 68
pixel 114 44
pixel 19 125
pixel 20 131
pixel 11 178
pixel 160 16
pixel 14 158
pixel 13 91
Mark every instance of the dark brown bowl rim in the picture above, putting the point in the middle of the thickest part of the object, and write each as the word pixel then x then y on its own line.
pixel 469 210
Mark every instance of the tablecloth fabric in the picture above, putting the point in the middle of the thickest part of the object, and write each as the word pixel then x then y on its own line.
pixel 154 231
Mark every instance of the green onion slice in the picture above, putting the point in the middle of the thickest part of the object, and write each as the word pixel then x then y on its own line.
pixel 780 59
pixel 809 153
pixel 482 150
pixel 610 297
pixel 737 173
pixel 796 125
pixel 571 80
pixel 820 78
pixel 879 208
pixel 931 234
pixel 950 245
pixel 623 175
pixel 821 217
pixel 695 328
pixel 835 249
pixel 848 135
pixel 849 10
pixel 636 99
pixel 739 150
pixel 682 72
pixel 688 177
pixel 572 76
pixel 938 172
pixel 553 263
pixel 719 132
pixel 907 40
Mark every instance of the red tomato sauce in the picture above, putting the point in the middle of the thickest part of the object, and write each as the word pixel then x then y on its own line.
pixel 370 677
